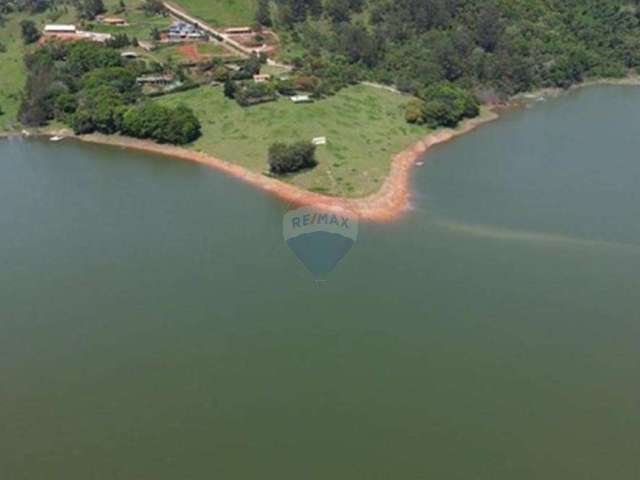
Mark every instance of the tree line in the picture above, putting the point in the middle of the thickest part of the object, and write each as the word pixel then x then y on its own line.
pixel 490 48
pixel 91 88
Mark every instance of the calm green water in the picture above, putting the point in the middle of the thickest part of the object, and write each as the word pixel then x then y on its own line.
pixel 154 325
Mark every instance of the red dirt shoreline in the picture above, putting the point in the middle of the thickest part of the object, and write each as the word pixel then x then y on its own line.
pixel 387 204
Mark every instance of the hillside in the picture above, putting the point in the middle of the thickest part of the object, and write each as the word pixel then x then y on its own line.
pixel 491 46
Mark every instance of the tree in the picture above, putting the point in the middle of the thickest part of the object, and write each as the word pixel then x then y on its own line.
pixel 415 112
pixel 30 32
pixel 338 10
pixel 153 7
pixel 489 27
pixel 229 88
pixel 263 13
pixel 285 158
pixel 89 9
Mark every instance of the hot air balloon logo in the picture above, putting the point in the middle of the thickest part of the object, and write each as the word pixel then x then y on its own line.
pixel 320 239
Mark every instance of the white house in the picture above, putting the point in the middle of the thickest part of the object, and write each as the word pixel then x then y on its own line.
pixel 53 29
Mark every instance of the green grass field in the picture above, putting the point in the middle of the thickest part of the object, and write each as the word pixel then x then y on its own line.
pixel 364 127
pixel 221 13
pixel 139 23
pixel 12 72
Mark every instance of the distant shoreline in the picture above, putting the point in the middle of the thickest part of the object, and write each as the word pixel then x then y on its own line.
pixel 385 205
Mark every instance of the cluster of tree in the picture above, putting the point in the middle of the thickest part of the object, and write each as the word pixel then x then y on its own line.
pixel 442 104
pixel 154 7
pixel 248 68
pixel 28 6
pixel 491 47
pixel 291 12
pixel 91 88
pixel 121 40
pixel 324 76
pixel 177 125
pixel 248 93
pixel 90 9
pixel 291 158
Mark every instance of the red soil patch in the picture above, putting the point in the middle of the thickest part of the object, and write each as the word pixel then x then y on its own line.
pixel 189 51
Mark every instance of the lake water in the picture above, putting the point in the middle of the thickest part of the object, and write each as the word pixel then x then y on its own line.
pixel 155 325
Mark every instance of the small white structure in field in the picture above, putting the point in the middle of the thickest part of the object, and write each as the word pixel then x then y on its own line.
pixel 261 78
pixel 319 141
pixel 129 55
pixel 52 29
pixel 301 98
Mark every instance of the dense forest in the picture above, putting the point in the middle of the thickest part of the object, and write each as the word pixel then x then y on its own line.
pixel 491 47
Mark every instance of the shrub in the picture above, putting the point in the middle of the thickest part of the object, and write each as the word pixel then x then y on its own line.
pixel 30 33
pixel 285 158
pixel 306 83
pixel 286 87
pixel 229 88
pixel 414 112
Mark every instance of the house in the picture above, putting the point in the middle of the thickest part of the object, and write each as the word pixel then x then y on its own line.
pixel 319 141
pixel 71 33
pixel 261 78
pixel 180 30
pixel 301 99
pixel 239 31
pixel 52 29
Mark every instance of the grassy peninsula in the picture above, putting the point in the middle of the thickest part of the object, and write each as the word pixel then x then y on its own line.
pixel 364 127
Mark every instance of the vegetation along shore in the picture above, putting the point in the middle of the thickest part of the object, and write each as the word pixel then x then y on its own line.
pixel 309 99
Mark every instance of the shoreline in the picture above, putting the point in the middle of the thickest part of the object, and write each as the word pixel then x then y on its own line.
pixel 385 205
pixel 391 200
